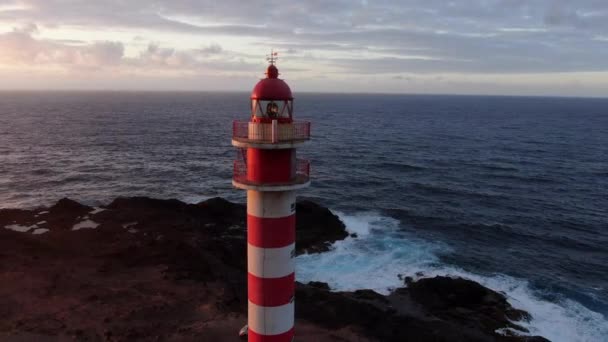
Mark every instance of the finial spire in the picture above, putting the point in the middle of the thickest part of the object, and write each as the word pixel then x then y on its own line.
pixel 274 56
pixel 272 71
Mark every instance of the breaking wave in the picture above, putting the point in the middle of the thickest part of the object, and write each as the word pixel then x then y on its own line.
pixel 381 254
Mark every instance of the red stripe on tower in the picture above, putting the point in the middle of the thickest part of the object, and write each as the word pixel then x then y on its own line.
pixel 271 291
pixel 271 232
pixel 255 337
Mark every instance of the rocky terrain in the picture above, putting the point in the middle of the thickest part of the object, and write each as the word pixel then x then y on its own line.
pixel 163 270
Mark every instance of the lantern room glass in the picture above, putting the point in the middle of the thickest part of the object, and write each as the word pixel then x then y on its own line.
pixel 272 109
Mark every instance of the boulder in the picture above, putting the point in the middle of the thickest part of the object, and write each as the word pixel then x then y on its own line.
pixel 317 227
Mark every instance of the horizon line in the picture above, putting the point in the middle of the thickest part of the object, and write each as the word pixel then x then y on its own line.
pixel 299 92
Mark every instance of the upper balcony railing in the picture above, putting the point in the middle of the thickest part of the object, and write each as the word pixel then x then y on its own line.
pixel 271 133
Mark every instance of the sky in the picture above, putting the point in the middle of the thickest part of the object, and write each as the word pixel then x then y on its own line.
pixel 505 47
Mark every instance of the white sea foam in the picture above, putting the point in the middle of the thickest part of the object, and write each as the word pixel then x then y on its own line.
pixel 86 224
pixel 97 210
pixel 382 251
pixel 361 224
pixel 40 231
pixel 129 225
pixel 195 199
pixel 19 228
pixel 372 260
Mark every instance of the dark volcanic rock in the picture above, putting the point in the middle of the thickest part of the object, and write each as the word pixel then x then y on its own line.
pixel 10 216
pixel 467 312
pixel 65 213
pixel 223 209
pixel 317 227
pixel 147 204
pixel 375 319
pixel 167 270
pixel 319 285
pixel 68 207
pixel 461 299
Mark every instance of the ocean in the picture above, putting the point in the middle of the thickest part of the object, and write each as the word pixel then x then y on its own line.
pixel 511 192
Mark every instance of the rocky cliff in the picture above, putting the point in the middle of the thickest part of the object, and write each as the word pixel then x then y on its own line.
pixel 163 270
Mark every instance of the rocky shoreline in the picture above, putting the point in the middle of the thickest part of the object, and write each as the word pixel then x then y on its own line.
pixel 163 270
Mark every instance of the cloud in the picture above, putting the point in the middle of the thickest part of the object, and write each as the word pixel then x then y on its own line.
pixel 212 49
pixel 20 47
pixel 512 35
pixel 317 38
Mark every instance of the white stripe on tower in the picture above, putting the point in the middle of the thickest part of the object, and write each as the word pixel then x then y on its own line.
pixel 271 204
pixel 271 265
pixel 270 262
pixel 271 320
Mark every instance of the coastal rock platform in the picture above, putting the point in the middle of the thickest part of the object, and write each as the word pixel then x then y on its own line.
pixel 142 269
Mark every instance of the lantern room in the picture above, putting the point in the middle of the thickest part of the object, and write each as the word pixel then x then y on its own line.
pixel 271 123
pixel 271 99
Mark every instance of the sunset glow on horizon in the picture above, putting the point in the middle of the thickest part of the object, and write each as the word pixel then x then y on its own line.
pixel 477 47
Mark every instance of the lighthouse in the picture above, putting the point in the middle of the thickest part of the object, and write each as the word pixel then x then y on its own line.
pixel 266 167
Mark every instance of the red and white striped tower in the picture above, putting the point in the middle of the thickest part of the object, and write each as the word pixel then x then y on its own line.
pixel 267 168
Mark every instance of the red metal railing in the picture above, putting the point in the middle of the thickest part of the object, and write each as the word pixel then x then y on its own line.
pixel 239 173
pixel 303 167
pixel 240 129
pixel 263 132
pixel 302 172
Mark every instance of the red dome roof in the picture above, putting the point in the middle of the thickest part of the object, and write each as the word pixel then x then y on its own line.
pixel 271 88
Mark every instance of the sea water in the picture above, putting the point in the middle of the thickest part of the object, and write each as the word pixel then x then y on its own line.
pixel 511 192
